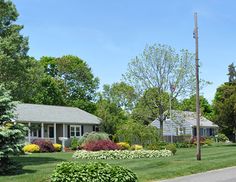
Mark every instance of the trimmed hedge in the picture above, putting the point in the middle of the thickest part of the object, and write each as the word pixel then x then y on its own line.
pixel 94 171
pixel 101 145
pixel 121 154
pixel 44 145
pixel 32 148
pixel 57 147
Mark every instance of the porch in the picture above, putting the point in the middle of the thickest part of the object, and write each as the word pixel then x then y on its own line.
pixel 53 131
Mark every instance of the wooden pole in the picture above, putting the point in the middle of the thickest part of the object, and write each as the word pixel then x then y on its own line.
pixel 198 155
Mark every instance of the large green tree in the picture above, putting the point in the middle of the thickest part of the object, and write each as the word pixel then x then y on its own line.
pixel 73 80
pixel 13 50
pixel 160 67
pixel 110 114
pixel 189 104
pixel 122 94
pixel 146 110
pixel 224 106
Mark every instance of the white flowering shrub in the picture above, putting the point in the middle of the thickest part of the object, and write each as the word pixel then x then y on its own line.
pixel 121 154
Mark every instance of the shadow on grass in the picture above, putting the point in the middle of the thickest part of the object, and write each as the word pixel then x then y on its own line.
pixel 26 161
pixel 20 171
pixel 23 161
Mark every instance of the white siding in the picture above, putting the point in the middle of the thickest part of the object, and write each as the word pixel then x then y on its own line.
pixel 170 127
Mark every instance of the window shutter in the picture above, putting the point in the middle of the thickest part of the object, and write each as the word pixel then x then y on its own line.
pixel 82 130
pixel 68 131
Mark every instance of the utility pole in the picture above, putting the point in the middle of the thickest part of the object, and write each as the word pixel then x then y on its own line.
pixel 198 155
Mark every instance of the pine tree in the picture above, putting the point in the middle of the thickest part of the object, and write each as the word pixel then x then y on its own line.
pixel 232 73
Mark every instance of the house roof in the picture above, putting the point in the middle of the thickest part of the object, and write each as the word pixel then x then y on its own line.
pixel 191 117
pixel 54 114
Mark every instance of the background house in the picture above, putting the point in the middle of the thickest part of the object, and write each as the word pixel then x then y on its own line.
pixel 52 122
pixel 184 123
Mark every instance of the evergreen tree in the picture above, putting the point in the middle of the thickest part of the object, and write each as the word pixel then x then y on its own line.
pixel 11 134
pixel 232 73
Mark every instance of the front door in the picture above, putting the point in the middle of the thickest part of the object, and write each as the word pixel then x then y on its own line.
pixel 51 132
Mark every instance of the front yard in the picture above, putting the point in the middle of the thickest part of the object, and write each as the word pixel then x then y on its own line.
pixel 38 167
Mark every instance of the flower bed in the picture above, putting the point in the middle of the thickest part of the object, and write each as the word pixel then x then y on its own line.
pixel 121 154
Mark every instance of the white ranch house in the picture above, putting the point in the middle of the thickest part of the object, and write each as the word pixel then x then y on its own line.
pixel 51 122
pixel 184 123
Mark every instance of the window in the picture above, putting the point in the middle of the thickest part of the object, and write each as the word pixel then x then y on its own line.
pixel 75 130
pixel 35 133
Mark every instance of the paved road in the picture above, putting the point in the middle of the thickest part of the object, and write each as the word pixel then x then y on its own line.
pixel 220 175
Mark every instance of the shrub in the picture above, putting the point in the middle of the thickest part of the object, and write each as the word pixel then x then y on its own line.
pixel 93 171
pixel 44 145
pixel 184 145
pixel 101 145
pixel 137 133
pixel 136 147
pixel 92 136
pixel 123 145
pixel 32 148
pixel 121 154
pixel 154 147
pixel 57 147
pixel 208 142
pixel 222 137
pixel 74 143
pixel 193 140
pixel 172 148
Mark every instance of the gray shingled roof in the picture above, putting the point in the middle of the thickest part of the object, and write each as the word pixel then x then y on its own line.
pixel 51 114
pixel 191 118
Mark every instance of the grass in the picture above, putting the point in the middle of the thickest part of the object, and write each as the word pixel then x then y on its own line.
pixel 39 167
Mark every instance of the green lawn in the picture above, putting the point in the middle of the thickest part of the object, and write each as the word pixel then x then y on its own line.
pixel 38 167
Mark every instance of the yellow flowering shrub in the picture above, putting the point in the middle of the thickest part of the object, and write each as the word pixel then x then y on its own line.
pixel 32 148
pixel 136 147
pixel 124 145
pixel 57 147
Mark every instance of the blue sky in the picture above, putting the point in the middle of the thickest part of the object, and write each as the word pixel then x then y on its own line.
pixel 108 34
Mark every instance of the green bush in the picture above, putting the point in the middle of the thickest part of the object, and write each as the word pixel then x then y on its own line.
pixel 137 133
pixel 74 143
pixel 92 136
pixel 94 171
pixel 208 142
pixel 184 145
pixel 172 148
pixel 222 137
pixel 153 147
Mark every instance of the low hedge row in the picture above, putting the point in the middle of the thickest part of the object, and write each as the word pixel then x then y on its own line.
pixel 121 154
pixel 94 172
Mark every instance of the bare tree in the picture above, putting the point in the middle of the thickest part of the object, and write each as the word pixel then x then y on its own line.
pixel 160 67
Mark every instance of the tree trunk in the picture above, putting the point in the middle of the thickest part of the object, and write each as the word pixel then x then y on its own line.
pixel 161 129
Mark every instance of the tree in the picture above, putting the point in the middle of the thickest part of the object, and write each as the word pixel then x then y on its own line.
pixel 146 110
pixel 111 116
pixel 161 67
pixel 189 104
pixel 133 133
pixel 121 94
pixel 12 135
pixel 224 106
pixel 13 50
pixel 79 84
pixel 232 73
pixel 49 91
